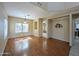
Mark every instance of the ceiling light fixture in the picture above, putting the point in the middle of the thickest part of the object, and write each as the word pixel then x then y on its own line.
pixel 26 19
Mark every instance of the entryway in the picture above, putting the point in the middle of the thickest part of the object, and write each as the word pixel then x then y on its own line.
pixel 75 42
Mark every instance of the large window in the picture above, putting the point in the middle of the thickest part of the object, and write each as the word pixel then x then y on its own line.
pixel 21 27
pixel 18 27
pixel 25 27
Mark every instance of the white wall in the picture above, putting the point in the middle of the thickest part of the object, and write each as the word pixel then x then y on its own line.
pixel 61 33
pixel 50 21
pixel 3 28
pixel 36 31
pixel 58 33
pixel 46 28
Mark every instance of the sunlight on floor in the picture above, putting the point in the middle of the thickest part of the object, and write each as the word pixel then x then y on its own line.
pixel 28 38
pixel 22 44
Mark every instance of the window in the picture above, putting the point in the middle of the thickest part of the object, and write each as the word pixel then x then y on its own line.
pixel 5 28
pixel 77 26
pixel 21 27
pixel 18 27
pixel 25 27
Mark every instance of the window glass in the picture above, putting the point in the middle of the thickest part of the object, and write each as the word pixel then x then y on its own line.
pixel 18 27
pixel 77 26
pixel 25 27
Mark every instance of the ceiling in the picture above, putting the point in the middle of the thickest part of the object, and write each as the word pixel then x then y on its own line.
pixel 37 9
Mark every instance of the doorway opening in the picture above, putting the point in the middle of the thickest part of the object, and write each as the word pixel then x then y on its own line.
pixel 75 18
pixel 75 41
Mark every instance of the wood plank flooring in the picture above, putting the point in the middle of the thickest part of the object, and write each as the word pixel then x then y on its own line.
pixel 36 46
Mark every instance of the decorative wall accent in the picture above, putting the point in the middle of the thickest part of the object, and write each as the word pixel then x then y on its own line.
pixel 35 25
pixel 58 26
pixel 44 28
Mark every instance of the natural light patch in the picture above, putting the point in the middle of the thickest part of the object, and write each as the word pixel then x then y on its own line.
pixel 25 27
pixel 25 44
pixel 21 27
pixel 21 45
pixel 18 27
pixel 45 43
pixel 6 28
pixel 77 26
pixel 29 38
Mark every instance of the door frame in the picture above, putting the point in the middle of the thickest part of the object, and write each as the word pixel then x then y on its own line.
pixel 71 29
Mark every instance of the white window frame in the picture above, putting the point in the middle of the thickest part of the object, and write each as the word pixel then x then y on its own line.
pixel 19 30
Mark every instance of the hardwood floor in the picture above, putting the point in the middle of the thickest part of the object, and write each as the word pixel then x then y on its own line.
pixel 36 46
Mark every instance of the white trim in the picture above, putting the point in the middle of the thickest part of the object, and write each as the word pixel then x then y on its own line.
pixel 70 30
pixel 75 12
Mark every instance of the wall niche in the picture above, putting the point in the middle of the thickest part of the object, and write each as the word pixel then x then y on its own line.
pixel 35 24
pixel 44 27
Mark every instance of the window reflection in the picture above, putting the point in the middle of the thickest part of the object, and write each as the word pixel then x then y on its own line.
pixel 45 43
pixel 22 44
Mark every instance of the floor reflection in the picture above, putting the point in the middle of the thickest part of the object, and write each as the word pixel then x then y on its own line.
pixel 22 44
pixel 36 46
pixel 28 38
pixel 45 43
